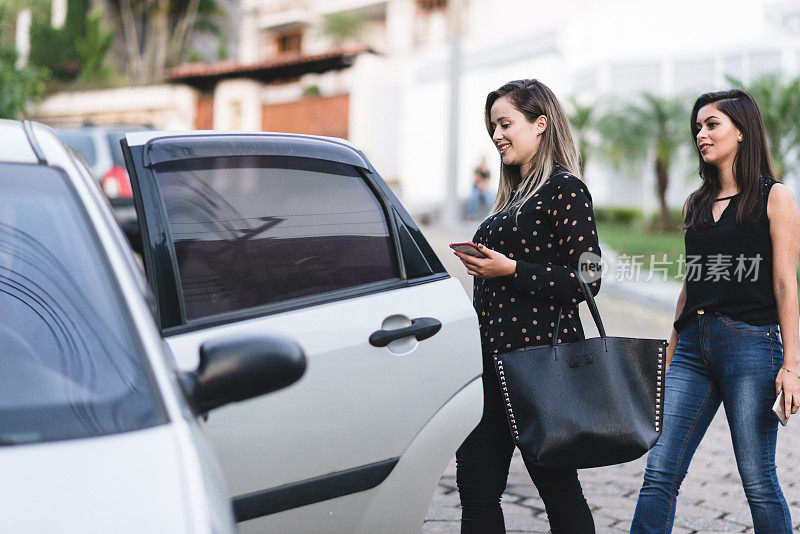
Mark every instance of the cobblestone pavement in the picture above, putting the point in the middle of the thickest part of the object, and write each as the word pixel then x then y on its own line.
pixel 711 498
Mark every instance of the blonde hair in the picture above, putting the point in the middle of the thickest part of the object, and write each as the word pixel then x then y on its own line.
pixel 533 98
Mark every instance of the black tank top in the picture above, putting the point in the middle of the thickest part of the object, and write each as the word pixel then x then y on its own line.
pixel 729 267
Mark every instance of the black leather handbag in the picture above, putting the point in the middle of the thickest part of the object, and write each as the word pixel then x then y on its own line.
pixel 587 403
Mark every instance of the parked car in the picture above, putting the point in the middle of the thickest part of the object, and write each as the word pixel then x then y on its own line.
pixel 294 238
pixel 100 149
pixel 98 429
pixel 247 234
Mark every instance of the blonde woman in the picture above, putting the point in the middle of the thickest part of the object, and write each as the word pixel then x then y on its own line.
pixel 541 224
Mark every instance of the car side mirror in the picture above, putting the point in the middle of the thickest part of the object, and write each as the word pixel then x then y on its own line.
pixel 240 368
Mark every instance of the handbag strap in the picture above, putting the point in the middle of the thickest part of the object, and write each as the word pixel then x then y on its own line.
pixel 587 293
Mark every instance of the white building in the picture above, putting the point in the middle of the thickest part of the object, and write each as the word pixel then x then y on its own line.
pixel 388 90
pixel 586 48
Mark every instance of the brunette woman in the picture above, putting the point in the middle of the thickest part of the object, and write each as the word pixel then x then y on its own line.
pixel 735 337
pixel 541 224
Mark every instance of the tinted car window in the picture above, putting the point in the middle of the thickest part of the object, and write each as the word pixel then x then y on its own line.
pixel 70 365
pixel 250 231
pixel 82 144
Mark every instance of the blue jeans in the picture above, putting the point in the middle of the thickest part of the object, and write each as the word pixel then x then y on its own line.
pixel 718 360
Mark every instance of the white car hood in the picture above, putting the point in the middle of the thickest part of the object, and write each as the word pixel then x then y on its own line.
pixel 125 483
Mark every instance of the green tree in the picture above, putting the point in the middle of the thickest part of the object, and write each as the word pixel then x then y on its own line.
pixel 78 50
pixel 343 26
pixel 55 48
pixel 18 87
pixel 155 33
pixel 649 130
pixel 92 48
pixel 584 124
pixel 779 103
pixel 9 9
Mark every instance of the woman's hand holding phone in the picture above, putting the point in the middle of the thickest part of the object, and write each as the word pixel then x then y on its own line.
pixel 787 383
pixel 493 265
pixel 469 248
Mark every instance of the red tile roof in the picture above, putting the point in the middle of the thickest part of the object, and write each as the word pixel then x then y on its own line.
pixel 275 68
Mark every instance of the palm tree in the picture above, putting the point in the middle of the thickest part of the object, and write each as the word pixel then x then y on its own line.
pixel 584 122
pixel 780 107
pixel 653 128
pixel 156 33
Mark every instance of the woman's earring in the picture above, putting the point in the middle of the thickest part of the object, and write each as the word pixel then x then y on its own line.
pixel 740 138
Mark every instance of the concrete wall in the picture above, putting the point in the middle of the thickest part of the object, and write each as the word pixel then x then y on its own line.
pixel 170 107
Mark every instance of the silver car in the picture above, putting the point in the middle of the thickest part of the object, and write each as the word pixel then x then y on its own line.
pixel 97 428
pixel 264 247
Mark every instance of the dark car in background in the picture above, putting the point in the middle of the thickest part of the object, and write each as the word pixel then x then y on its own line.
pixel 99 148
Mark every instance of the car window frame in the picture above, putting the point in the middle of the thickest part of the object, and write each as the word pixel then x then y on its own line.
pixel 163 416
pixel 102 203
pixel 161 264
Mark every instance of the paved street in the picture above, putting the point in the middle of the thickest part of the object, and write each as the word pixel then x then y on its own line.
pixel 711 497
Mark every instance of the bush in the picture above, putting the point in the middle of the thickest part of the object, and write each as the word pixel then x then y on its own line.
pixel 310 91
pixel 674 220
pixel 616 214
pixel 18 87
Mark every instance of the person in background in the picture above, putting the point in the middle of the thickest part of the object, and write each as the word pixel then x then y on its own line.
pixel 541 224
pixel 740 291
pixel 480 198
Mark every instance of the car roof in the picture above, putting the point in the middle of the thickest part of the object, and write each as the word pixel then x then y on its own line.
pixel 161 145
pixel 116 128
pixel 16 147
pixel 30 142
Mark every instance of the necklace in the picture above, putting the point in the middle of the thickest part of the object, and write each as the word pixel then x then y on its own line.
pixel 725 198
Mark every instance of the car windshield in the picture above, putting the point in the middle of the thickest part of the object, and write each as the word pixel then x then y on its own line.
pixel 70 363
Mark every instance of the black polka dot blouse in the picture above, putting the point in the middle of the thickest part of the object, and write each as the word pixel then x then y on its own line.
pixel 546 239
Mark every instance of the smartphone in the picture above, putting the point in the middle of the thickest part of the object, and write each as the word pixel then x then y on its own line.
pixel 469 248
pixel 778 409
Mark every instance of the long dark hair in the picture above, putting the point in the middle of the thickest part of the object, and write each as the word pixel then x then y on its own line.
pixel 752 160
pixel 532 98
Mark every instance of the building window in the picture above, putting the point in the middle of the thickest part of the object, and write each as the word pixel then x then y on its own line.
pixel 762 63
pixel 733 66
pixel 634 78
pixel 693 76
pixel 431 5
pixel 430 24
pixel 288 42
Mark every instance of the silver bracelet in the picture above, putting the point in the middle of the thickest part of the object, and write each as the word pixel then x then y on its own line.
pixel 793 372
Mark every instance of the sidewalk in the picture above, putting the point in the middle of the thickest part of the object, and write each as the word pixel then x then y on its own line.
pixel 711 497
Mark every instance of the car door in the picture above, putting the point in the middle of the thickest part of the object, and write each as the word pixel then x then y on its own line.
pixel 298 236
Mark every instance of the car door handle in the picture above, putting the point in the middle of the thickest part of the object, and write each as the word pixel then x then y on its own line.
pixel 421 328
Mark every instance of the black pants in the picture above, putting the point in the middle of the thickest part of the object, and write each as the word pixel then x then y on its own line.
pixel 482 464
